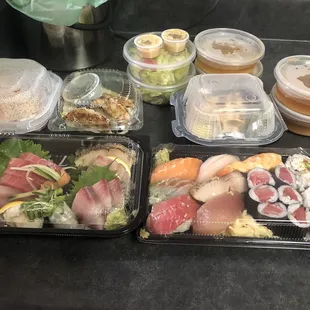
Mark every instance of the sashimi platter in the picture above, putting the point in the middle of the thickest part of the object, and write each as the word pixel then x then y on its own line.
pixel 207 196
pixel 86 184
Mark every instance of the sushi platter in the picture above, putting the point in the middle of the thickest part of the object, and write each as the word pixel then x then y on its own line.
pixel 72 185
pixel 252 197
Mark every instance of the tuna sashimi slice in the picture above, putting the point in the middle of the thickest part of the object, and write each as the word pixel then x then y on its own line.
pixel 167 216
pixel 18 162
pixel 34 159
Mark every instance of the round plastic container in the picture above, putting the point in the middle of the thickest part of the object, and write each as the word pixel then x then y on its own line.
pixel 160 95
pixel 115 108
pixel 226 109
pixel 296 118
pixel 166 69
pixel 230 50
pixel 293 79
pixel 258 69
pixel 28 95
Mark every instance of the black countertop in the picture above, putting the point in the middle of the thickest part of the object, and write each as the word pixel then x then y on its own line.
pixel 80 273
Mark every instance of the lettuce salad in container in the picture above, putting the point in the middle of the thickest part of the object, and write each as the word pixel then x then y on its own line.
pixel 160 63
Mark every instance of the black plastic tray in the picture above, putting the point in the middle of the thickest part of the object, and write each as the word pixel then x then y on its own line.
pixel 290 237
pixel 60 145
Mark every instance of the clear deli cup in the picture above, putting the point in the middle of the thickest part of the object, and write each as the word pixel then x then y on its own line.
pixel 293 80
pixel 229 50
pixel 166 69
pixel 175 40
pixel 160 95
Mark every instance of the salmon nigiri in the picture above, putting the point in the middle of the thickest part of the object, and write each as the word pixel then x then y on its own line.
pixel 267 161
pixel 182 168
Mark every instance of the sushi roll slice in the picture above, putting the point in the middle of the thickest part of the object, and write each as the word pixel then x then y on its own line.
pixel 275 210
pixel 259 176
pixel 288 195
pixel 285 175
pixel 299 215
pixel 306 198
pixel 264 193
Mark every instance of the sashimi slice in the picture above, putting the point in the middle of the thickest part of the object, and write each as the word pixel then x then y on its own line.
pixel 5 193
pixel 20 184
pixel 34 159
pixel 87 209
pixel 101 194
pixel 173 215
pixel 183 168
pixel 116 190
pixel 18 162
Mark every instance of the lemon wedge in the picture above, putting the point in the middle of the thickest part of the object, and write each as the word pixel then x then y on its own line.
pixel 121 162
pixel 11 205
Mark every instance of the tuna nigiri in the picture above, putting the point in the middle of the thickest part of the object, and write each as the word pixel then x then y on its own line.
pixel 173 215
pixel 213 165
pixel 182 168
pixel 267 161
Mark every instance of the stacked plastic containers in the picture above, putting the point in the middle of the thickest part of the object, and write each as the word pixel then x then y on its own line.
pixel 100 101
pixel 292 92
pixel 224 50
pixel 160 64
pixel 226 109
pixel 28 95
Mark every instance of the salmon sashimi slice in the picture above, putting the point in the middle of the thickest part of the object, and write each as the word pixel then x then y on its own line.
pixel 182 168
pixel 267 161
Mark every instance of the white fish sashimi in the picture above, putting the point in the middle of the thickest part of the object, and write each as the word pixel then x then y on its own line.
pixel 213 165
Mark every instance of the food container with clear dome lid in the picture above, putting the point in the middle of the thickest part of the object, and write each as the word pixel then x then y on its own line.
pixel 224 50
pixel 293 81
pixel 226 109
pixel 28 95
pixel 159 61
pixel 98 100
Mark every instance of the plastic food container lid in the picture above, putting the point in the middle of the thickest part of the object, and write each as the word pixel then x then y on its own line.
pixel 294 73
pixel 28 95
pixel 258 70
pixel 229 47
pixel 226 109
pixel 164 88
pixel 165 61
pixel 304 119
pixel 115 107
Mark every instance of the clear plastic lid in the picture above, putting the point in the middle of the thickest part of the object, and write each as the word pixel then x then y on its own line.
pixel 114 105
pixel 164 61
pixel 226 109
pixel 229 47
pixel 293 75
pixel 28 95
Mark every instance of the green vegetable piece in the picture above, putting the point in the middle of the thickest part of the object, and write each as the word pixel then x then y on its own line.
pixel 162 156
pixel 117 218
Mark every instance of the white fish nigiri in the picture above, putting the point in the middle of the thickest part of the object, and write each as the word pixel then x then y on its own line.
pixel 213 165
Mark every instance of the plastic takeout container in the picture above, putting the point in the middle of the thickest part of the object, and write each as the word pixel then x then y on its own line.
pixel 113 106
pixel 293 78
pixel 226 109
pixel 229 49
pixel 28 95
pixel 212 221
pixel 85 212
pixel 166 69
pixel 160 95
pixel 258 69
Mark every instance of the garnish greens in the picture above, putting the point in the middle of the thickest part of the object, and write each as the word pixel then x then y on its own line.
pixel 11 148
pixel 89 178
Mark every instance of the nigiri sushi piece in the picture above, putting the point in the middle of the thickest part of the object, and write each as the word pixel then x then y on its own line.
pixel 259 176
pixel 299 215
pixel 264 193
pixel 172 215
pixel 217 214
pixel 182 168
pixel 272 210
pixel 266 161
pixel 166 189
pixel 288 195
pixel 231 182
pixel 285 175
pixel 213 165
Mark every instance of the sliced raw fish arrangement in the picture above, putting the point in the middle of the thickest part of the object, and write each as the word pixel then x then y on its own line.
pixel 285 175
pixel 264 193
pixel 259 176
pixel 288 195
pixel 272 210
